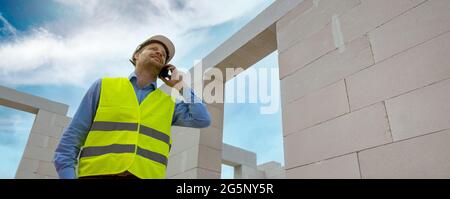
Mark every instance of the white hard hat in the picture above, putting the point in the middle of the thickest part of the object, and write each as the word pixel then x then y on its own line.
pixel 168 46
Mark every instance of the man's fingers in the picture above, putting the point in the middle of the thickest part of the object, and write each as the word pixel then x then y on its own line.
pixel 165 80
pixel 176 76
pixel 171 67
pixel 175 79
pixel 171 82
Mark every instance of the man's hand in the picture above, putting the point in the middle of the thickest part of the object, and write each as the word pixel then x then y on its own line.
pixel 176 80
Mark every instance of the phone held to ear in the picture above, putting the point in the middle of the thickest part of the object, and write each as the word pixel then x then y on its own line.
pixel 165 72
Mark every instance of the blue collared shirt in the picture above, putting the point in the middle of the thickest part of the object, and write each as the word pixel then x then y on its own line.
pixel 66 155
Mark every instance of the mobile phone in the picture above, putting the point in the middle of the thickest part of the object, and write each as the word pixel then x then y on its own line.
pixel 165 72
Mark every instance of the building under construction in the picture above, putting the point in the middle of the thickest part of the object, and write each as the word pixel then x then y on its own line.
pixel 365 89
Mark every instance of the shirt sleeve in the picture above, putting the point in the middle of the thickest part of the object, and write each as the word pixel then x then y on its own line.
pixel 73 137
pixel 192 113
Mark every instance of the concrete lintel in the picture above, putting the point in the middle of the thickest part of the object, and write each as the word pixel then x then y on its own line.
pixel 234 156
pixel 253 42
pixel 29 103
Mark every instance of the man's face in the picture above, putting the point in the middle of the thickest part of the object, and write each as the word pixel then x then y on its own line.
pixel 152 54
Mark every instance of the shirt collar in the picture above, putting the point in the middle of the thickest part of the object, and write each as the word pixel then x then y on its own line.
pixel 133 76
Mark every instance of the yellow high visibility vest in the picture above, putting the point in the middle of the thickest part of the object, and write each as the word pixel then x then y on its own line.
pixel 126 135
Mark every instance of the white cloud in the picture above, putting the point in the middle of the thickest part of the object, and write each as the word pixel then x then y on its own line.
pixel 98 40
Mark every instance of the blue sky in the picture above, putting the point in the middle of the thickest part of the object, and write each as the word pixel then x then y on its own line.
pixel 56 49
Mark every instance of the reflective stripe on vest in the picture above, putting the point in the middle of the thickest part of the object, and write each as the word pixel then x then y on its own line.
pixel 113 126
pixel 118 148
pixel 117 126
pixel 126 135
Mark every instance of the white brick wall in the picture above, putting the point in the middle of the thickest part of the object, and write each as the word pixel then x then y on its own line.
pixel 308 19
pixel 216 117
pixel 372 13
pixel 207 174
pixel 420 112
pixel 415 68
pixel 210 158
pixel 346 134
pixel 343 167
pixel 42 142
pixel 327 70
pixel 416 26
pixel 422 157
pixel 317 107
pixel 272 170
pixel 211 137
pixel 190 174
pixel 183 138
pixel 182 162
pixel 304 52
pixel 47 169
pixel 196 157
pixel 38 140
pixel 394 66
pixel 246 172
pixel 29 165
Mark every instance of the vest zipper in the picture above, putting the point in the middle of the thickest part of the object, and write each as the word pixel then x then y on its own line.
pixel 138 130
pixel 139 120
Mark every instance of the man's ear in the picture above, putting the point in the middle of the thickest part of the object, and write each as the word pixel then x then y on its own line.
pixel 136 55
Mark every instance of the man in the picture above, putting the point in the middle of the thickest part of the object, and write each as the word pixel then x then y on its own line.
pixel 122 125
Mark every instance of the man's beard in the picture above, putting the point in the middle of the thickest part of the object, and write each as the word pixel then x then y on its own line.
pixel 154 64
